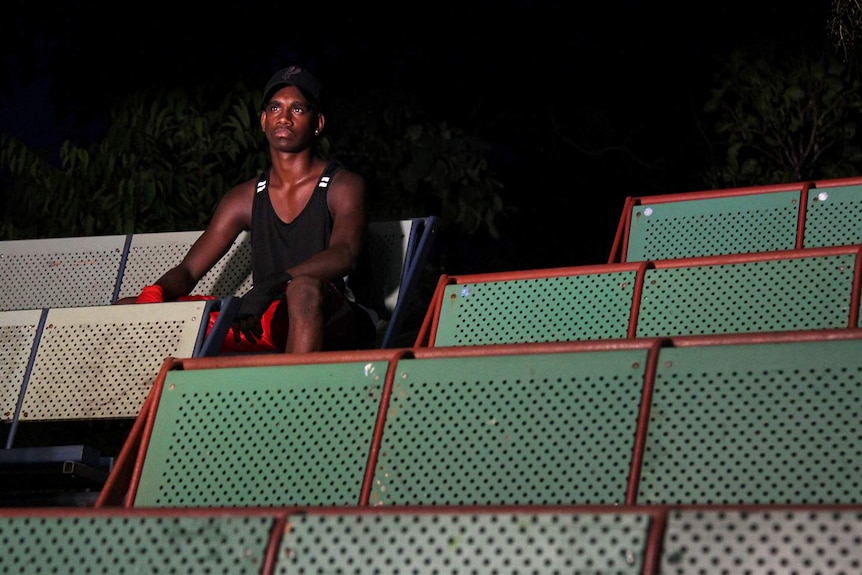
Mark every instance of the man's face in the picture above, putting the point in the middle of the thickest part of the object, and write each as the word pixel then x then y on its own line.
pixel 289 121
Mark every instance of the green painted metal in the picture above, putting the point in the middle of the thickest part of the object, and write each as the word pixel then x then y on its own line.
pixel 766 541
pixel 766 423
pixel 562 308
pixel 262 436
pixel 513 429
pixel 480 542
pixel 132 545
pixel 833 217
pixel 759 222
pixel 772 295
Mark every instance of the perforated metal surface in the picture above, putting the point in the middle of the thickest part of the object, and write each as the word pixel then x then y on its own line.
pixel 772 295
pixel 100 362
pixel 762 543
pixel 152 254
pixel 117 545
pixel 716 226
pixel 492 543
pixel 62 272
pixel 262 436
pixel 387 244
pixel 564 308
pixel 767 423
pixel 521 429
pixel 834 217
pixel 17 336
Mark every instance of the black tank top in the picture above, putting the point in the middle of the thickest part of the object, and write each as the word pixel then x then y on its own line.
pixel 278 245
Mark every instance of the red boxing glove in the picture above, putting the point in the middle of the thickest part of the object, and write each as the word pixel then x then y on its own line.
pixel 151 294
pixel 274 337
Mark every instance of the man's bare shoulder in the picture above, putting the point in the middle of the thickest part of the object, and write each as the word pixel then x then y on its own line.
pixel 247 187
pixel 241 195
pixel 347 179
pixel 346 192
pixel 234 208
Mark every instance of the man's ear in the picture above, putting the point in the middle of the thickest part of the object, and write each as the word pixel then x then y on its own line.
pixel 262 120
pixel 321 121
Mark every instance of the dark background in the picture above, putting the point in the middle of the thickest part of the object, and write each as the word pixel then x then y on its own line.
pixel 583 104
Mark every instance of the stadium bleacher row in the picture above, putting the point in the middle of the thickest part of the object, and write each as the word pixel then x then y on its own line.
pixel 690 407
pixel 814 288
pixel 755 219
pixel 731 419
pixel 531 539
pixel 77 370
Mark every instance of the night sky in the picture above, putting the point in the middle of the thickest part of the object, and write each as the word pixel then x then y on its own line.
pixel 644 67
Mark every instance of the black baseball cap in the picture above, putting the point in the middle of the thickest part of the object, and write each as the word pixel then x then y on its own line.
pixel 293 76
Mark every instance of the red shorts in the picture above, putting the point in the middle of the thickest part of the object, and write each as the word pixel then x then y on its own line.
pixel 347 326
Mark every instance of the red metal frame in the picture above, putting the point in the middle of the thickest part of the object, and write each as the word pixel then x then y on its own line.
pixel 620 244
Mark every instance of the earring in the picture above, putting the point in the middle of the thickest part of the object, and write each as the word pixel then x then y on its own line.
pixel 316 132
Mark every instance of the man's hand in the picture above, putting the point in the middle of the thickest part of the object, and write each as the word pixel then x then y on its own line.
pixel 254 303
pixel 151 294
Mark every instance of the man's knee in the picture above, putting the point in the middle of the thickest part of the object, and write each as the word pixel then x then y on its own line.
pixel 305 295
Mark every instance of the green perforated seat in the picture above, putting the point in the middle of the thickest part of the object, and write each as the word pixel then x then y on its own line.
pixel 765 423
pixel 131 544
pixel 689 227
pixel 822 541
pixel 537 428
pixel 775 294
pixel 574 307
pixel 501 542
pixel 833 216
pixel 262 436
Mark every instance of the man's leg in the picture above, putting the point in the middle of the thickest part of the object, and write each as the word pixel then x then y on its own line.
pixel 306 298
